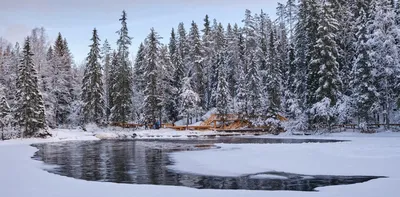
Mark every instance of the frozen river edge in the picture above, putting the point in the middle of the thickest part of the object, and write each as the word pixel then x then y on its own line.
pixel 377 154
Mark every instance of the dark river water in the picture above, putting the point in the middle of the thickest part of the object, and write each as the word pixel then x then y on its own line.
pixel 146 161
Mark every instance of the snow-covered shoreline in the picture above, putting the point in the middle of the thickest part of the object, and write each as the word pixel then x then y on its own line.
pixel 376 154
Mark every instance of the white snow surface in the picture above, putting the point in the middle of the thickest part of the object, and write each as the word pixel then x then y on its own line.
pixel 377 154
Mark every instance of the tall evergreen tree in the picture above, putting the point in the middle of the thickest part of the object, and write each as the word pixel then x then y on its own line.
pixel 152 100
pixel 384 53
pixel 324 67
pixel 207 62
pixel 138 72
pixel 106 64
pixel 122 92
pixel 364 89
pixel 189 99
pixel 61 81
pixel 274 77
pixel 223 95
pixel 196 67
pixel 178 74
pixel 5 115
pixel 92 89
pixel 29 110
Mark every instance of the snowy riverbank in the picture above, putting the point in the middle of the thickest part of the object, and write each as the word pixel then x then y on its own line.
pixel 376 154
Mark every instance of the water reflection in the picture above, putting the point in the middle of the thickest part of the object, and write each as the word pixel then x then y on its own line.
pixel 144 162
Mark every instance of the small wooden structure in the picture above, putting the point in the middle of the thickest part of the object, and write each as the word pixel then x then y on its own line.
pixel 232 122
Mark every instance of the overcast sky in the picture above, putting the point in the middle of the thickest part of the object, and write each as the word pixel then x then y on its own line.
pixel 75 19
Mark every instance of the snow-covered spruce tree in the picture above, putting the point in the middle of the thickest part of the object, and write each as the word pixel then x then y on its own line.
pixel 232 59
pixel 251 68
pixel 207 62
pixel 196 68
pixel 363 85
pixel 218 48
pixel 152 100
pixel 241 95
pixel 183 47
pixel 324 67
pixel 166 85
pixel 138 83
pixel 29 109
pixel 273 79
pixel 384 54
pixel 263 59
pixel 106 64
pixel 113 81
pixel 122 92
pixel 223 95
pixel 5 116
pixel 253 88
pixel 62 79
pixel 138 80
pixel 49 82
pixel 291 16
pixel 178 75
pixel 9 61
pixel 190 100
pixel 93 108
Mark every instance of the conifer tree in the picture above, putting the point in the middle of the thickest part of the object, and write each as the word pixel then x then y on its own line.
pixel 253 88
pixel 189 100
pixel 5 115
pixel 29 109
pixel 106 64
pixel 196 66
pixel 207 62
pixel 384 54
pixel 183 47
pixel 274 77
pixel 324 67
pixel 178 74
pixel 122 91
pixel 61 86
pixel 92 88
pixel 223 96
pixel 152 100
pixel 364 89
pixel 166 85
pixel 138 72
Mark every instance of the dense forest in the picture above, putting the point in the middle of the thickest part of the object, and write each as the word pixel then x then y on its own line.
pixel 319 63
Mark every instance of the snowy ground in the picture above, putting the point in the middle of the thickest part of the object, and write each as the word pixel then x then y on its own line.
pixel 377 154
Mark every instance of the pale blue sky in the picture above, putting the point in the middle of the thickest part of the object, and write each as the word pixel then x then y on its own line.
pixel 75 19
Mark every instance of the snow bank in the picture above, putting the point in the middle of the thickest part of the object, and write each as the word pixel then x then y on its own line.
pixel 377 154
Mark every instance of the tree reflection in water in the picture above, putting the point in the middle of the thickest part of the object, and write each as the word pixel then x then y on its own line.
pixel 146 161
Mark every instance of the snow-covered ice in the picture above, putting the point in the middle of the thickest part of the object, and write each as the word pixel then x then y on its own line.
pixel 377 154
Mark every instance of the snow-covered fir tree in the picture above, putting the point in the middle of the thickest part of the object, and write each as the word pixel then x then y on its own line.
pixel 384 54
pixel 152 95
pixel 169 107
pixel 139 82
pixel 364 83
pixel 223 95
pixel 29 109
pixel 196 67
pixel 273 79
pixel 93 109
pixel 178 75
pixel 106 65
pixel 190 101
pixel 5 116
pixel 122 93
pixel 324 68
